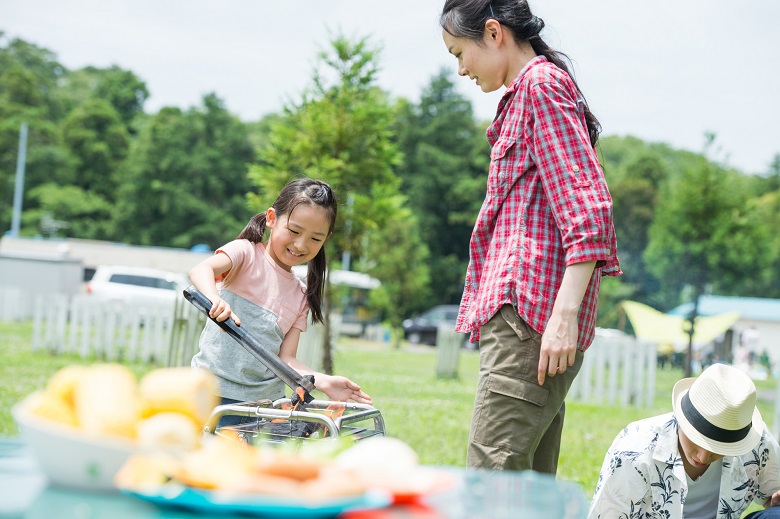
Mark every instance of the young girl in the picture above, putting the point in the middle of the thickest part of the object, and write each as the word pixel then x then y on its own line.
pixel 541 242
pixel 258 289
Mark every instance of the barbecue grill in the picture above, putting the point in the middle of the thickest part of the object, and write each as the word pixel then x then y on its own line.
pixel 299 418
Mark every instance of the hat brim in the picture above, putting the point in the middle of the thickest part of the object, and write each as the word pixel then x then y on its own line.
pixel 725 449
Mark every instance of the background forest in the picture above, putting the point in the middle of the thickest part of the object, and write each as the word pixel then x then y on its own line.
pixel 410 175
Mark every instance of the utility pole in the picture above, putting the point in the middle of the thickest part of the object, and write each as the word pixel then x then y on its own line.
pixel 346 256
pixel 21 158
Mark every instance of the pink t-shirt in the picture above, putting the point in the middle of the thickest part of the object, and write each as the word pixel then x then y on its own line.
pixel 256 277
pixel 269 301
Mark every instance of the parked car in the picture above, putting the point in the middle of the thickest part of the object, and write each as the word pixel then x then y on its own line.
pixel 422 329
pixel 136 285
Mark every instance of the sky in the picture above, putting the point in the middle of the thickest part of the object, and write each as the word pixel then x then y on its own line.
pixel 663 71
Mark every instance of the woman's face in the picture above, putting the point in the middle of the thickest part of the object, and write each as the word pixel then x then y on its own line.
pixel 298 237
pixel 480 61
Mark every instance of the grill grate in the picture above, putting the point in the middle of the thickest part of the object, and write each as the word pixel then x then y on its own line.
pixel 276 422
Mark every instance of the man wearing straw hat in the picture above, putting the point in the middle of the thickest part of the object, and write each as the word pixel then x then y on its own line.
pixel 710 458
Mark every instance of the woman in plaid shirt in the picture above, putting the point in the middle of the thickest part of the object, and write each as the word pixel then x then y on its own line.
pixel 542 240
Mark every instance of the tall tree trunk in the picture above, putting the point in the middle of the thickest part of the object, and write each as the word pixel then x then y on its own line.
pixel 698 291
pixel 327 355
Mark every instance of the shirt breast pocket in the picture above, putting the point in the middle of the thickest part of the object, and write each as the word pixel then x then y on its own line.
pixel 502 169
pixel 501 148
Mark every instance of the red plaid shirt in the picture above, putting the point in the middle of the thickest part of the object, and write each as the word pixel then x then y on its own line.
pixel 547 207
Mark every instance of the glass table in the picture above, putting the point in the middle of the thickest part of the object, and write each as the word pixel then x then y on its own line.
pixel 476 494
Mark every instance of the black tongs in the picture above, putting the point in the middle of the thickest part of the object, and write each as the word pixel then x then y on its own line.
pixel 300 384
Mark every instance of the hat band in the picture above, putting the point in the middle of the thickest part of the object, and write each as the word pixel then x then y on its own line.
pixel 709 429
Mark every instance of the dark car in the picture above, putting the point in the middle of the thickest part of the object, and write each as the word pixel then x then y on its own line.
pixel 422 329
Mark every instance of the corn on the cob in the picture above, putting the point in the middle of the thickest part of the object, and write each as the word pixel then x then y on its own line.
pixel 52 407
pixel 64 382
pixel 107 401
pixel 192 392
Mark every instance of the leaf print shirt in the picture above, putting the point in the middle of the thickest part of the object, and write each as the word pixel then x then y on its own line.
pixel 643 476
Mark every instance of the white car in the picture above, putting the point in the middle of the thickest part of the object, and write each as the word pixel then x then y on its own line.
pixel 136 285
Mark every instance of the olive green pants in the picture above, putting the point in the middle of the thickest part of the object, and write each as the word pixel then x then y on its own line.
pixel 517 423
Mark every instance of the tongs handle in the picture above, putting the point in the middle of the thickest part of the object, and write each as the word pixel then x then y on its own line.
pixel 288 375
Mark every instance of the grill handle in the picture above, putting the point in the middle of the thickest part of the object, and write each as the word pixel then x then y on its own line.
pixel 285 373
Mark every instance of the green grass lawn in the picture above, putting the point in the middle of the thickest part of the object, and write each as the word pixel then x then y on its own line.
pixel 430 414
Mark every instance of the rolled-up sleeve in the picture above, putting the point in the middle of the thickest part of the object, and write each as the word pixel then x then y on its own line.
pixel 571 176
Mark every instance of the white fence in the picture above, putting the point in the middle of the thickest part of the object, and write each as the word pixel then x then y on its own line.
pixel 109 331
pixel 14 304
pixel 161 335
pixel 617 368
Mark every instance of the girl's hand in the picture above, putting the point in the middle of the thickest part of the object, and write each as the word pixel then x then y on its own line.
pixel 341 389
pixel 220 310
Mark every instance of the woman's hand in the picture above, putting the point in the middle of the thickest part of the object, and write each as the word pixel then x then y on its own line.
pixel 341 389
pixel 559 341
pixel 559 346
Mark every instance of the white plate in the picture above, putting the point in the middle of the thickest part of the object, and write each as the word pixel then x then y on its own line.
pixel 67 456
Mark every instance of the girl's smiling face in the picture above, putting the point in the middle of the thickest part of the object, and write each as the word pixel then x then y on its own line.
pixel 296 238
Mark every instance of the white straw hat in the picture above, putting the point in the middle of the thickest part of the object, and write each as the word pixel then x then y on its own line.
pixel 717 410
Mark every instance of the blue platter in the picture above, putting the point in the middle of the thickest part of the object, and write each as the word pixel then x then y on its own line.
pixel 221 502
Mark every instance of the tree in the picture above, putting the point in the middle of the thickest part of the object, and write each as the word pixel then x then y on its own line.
pixel 443 172
pixel 401 262
pixel 635 197
pixel 96 137
pixel 186 179
pixel 339 132
pixel 773 176
pixel 705 234
pixel 28 77
pixel 80 212
pixel 121 88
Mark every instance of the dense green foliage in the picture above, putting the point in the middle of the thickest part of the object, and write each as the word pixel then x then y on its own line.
pixel 410 175
pixel 446 158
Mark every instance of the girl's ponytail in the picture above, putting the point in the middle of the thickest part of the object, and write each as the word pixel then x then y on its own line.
pixel 254 229
pixel 315 285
